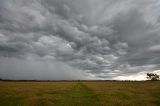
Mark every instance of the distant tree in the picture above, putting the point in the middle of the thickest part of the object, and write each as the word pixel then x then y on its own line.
pixel 153 77
pixel 0 78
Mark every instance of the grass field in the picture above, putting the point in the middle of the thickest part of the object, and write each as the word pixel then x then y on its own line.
pixel 80 93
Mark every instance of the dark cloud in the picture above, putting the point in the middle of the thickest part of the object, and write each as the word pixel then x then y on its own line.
pixel 84 39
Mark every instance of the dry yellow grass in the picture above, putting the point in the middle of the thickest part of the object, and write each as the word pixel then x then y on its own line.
pixel 32 93
pixel 80 94
pixel 127 93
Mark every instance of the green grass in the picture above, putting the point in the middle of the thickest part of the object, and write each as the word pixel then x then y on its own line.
pixel 80 93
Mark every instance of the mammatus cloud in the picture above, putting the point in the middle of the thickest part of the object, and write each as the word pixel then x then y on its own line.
pixel 79 39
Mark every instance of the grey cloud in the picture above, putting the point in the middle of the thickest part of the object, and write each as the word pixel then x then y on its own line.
pixel 13 68
pixel 100 39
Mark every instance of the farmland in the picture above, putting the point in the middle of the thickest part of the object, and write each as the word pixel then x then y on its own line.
pixel 80 93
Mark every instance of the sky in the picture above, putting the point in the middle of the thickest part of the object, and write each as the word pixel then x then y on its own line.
pixel 79 39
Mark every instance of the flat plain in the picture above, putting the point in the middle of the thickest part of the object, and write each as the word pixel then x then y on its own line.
pixel 108 93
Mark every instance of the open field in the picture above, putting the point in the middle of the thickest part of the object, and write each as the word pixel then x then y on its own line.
pixel 33 93
pixel 127 93
pixel 80 93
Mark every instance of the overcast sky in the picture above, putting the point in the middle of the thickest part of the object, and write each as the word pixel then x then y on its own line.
pixel 79 39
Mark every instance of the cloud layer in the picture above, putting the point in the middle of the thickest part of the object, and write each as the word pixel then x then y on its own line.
pixel 79 39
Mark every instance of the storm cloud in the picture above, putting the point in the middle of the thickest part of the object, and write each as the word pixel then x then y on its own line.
pixel 79 39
